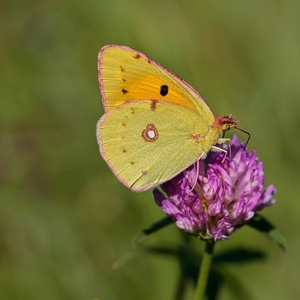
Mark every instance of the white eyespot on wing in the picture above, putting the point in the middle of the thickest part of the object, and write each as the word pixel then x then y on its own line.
pixel 150 133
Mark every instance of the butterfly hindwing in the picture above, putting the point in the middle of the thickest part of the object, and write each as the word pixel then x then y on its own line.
pixel 149 142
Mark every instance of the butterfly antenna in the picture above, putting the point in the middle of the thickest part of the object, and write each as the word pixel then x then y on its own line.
pixel 246 132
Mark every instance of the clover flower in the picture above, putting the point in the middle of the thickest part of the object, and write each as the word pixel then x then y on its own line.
pixel 227 193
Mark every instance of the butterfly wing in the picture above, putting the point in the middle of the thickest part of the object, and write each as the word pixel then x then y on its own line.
pixel 126 75
pixel 148 142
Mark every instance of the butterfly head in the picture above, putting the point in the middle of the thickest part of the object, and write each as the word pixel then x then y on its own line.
pixel 224 123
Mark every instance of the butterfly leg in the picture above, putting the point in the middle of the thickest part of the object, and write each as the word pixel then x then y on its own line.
pixel 194 181
pixel 219 149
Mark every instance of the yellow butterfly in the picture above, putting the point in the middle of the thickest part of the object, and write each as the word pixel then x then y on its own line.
pixel 155 124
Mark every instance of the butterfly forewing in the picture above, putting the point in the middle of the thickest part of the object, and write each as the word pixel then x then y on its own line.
pixel 126 75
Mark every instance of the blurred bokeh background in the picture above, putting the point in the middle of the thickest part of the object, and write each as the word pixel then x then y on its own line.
pixel 64 217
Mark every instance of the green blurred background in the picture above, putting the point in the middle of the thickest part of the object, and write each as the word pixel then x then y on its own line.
pixel 64 218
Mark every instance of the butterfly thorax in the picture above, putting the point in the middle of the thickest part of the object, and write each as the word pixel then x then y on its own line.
pixel 216 132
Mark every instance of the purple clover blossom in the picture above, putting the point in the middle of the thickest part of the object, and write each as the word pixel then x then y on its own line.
pixel 225 196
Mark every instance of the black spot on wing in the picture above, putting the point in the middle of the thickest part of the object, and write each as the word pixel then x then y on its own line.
pixel 164 90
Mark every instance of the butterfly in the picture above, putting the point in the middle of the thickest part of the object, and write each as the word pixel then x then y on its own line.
pixel 155 124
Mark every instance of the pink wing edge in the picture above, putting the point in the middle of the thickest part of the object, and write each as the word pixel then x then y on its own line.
pixel 126 48
pixel 102 152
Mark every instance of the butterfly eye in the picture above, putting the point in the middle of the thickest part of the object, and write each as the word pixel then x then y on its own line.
pixel 164 90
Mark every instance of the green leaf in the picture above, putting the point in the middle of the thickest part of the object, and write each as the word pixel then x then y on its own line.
pixel 151 229
pixel 158 225
pixel 261 224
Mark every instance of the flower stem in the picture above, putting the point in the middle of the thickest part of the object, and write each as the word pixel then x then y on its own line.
pixel 204 270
